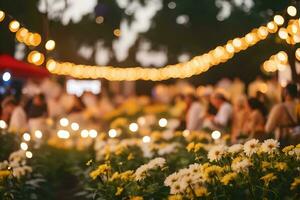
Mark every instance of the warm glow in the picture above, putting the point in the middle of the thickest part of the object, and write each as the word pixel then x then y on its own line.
pixel 292 11
pixel 36 58
pixel 112 133
pixel 186 133
pixel 14 26
pixel 38 134
pixel 23 146
pixel 93 133
pixel 117 32
pixel 163 122
pixel 2 15
pixel 3 124
pixel 26 137
pixel 216 135
pixel 28 154
pixel 133 127
pixel 146 139
pixel 279 20
pixel 75 126
pixel 282 57
pixel 84 133
pixel 50 45
pixel 99 19
pixel 51 65
pixel 283 34
pixel 63 134
pixel 64 122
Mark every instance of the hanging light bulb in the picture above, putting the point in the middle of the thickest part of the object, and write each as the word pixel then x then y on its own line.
pixel 14 26
pixel 279 20
pixel 50 45
pixel 2 15
pixel 292 11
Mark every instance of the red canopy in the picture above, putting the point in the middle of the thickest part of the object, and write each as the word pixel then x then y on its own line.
pixel 21 69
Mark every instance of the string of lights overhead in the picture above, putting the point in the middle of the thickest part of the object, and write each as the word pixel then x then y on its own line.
pixel 195 66
pixel 30 39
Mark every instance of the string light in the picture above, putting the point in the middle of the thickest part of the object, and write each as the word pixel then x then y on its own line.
pixel 28 154
pixel 117 32
pixel 292 11
pixel 26 137
pixel 279 20
pixel 36 58
pixel 84 133
pixel 276 62
pixel 197 65
pixel 133 127
pixel 112 133
pixel 283 34
pixel 50 45
pixel 99 20
pixel 2 15
pixel 63 134
pixel 216 135
pixel 75 126
pixel 38 134
pixel 146 139
pixel 93 133
pixel 163 122
pixel 6 76
pixel 64 122
pixel 23 146
pixel 3 124
pixel 14 26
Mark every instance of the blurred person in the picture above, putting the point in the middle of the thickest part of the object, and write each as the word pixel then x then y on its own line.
pixel 195 113
pixel 255 119
pixel 37 112
pixel 76 112
pixel 222 118
pixel 283 116
pixel 14 115
pixel 239 117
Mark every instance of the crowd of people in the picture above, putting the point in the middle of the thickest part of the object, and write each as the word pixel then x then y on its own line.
pixel 263 110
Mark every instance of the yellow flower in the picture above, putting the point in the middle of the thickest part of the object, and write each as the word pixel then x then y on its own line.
pixel 212 172
pixel 200 191
pixel 99 171
pixel 190 146
pixel 89 162
pixel 126 175
pixel 298 146
pixel 287 149
pixel 198 146
pixel 114 176
pixel 175 197
pixel 119 150
pixel 130 157
pixel 265 165
pixel 119 191
pixel 268 178
pixel 136 198
pixel 228 178
pixel 296 183
pixel 281 166
pixel 4 173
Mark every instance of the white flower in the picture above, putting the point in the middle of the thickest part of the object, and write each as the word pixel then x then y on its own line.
pixel 216 153
pixel 236 148
pixel 251 147
pixel 141 172
pixel 171 179
pixel 170 148
pixel 241 165
pixel 177 188
pixel 269 146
